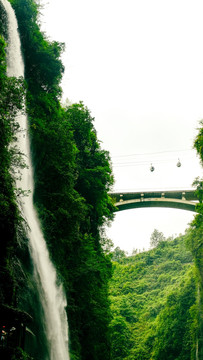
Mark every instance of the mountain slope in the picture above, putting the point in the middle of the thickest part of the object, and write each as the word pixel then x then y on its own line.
pixel 153 301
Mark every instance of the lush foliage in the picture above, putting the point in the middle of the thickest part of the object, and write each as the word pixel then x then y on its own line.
pixel 154 304
pixel 11 101
pixel 14 256
pixel 199 142
pixel 72 180
pixel 195 239
pixel 156 238
pixel 156 297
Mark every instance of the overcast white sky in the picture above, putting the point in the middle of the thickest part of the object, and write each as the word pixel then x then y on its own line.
pixel 138 66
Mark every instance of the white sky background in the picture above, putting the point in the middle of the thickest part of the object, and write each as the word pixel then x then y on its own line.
pixel 138 66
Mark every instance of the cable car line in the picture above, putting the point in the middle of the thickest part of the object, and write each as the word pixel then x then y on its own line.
pixel 152 153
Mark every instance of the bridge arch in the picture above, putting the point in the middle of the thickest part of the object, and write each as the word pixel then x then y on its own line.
pixel 184 199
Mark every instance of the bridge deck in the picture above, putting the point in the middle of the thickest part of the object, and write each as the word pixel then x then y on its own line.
pixel 180 199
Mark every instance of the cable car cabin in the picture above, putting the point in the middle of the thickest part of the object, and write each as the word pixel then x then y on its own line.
pixel 178 163
pixel 152 168
pixel 13 330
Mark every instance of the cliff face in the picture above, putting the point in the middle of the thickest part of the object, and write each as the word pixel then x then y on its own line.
pixel 15 265
pixel 11 228
pixel 72 180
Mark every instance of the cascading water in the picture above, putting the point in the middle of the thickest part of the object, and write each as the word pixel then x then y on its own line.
pixel 51 295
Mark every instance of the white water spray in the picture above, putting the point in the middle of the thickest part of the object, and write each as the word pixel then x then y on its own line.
pixel 51 295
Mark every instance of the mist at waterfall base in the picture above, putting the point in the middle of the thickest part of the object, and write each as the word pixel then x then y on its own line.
pixel 50 293
pixel 138 67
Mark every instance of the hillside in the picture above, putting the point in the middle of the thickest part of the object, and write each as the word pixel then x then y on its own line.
pixel 153 301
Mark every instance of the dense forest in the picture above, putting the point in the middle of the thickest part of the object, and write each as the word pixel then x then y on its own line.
pixel 142 307
pixel 154 303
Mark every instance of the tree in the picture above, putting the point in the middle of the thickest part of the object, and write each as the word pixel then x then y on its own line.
pixel 198 184
pixel 194 239
pixel 94 172
pixel 121 342
pixel 176 326
pixel 118 254
pixel 156 237
pixel 198 144
pixel 93 269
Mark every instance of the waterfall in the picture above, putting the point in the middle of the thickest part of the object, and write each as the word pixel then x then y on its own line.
pixel 50 293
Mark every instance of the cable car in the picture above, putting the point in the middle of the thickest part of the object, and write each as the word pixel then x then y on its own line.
pixel 152 168
pixel 178 163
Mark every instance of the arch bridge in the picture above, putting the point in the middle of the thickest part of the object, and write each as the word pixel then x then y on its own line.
pixel 177 199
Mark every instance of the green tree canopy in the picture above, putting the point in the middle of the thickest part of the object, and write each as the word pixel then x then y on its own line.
pixel 156 237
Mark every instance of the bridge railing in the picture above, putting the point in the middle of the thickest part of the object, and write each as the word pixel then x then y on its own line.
pixel 184 199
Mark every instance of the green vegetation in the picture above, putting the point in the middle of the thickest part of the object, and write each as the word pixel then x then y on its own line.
pixel 195 241
pixel 11 100
pixel 154 304
pixel 72 179
pixel 157 296
pixel 14 256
